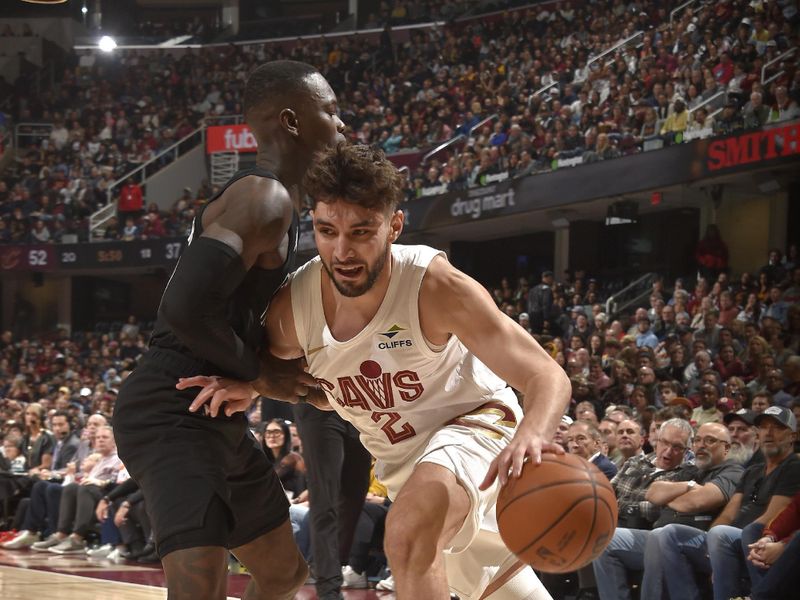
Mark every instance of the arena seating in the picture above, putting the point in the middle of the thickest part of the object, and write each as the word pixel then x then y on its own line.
pixel 112 113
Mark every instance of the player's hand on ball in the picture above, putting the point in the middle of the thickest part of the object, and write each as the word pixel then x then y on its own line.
pixel 509 462
pixel 237 396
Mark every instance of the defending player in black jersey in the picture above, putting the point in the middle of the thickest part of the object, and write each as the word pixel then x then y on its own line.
pixel 208 487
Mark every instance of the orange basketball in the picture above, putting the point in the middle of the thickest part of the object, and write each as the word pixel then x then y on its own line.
pixel 558 516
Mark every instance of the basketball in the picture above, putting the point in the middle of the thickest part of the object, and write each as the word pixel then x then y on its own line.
pixel 558 516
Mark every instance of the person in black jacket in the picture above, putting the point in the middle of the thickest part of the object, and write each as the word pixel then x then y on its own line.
pixel 540 302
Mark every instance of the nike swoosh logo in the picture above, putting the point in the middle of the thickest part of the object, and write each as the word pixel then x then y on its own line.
pixel 315 350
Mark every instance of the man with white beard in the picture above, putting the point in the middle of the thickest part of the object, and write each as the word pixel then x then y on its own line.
pixel 744 439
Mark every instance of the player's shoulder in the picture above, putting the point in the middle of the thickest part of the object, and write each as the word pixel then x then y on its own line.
pixel 416 255
pixel 306 270
pixel 262 200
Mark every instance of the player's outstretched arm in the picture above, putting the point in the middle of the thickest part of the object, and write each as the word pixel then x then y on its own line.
pixel 453 303
pixel 255 220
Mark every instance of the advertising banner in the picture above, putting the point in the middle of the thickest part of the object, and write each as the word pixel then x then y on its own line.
pixel 230 138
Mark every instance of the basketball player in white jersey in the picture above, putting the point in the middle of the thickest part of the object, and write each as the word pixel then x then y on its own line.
pixel 416 355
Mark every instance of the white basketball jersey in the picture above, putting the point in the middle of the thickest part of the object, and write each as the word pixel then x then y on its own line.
pixel 387 380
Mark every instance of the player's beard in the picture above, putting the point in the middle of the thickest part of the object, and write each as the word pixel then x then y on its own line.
pixel 373 272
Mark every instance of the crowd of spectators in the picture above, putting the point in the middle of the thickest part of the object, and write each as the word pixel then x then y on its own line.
pixel 112 113
pixel 697 385
pixel 689 405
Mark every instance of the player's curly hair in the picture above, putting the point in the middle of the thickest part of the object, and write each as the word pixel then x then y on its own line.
pixel 357 174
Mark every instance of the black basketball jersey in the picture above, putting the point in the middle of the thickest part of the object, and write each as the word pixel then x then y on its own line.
pixel 246 308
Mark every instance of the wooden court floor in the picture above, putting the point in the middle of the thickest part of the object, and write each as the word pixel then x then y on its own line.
pixel 27 575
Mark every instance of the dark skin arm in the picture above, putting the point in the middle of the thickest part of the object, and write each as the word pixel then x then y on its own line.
pixel 251 220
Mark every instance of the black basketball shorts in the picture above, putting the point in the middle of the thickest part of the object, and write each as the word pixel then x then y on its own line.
pixel 186 463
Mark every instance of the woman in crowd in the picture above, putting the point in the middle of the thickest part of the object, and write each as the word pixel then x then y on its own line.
pixel 288 464
pixel 38 442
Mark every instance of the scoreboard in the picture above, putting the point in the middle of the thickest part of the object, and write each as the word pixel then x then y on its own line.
pixel 161 252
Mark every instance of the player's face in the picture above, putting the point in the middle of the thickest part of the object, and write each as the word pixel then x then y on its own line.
pixel 319 117
pixel 354 244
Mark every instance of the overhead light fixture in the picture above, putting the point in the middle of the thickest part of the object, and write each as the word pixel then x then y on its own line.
pixel 45 1
pixel 106 44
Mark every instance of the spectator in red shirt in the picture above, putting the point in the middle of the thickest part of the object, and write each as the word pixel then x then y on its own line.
pixel 723 72
pixel 727 364
pixel 131 201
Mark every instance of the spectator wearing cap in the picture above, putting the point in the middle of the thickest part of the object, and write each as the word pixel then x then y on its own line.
pixel 644 336
pixel 762 493
pixel 540 302
pixel 525 321
pixel 744 437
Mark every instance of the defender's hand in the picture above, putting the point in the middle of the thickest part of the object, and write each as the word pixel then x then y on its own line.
pixel 237 396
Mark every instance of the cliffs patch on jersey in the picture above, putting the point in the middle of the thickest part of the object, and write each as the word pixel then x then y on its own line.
pixel 394 337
